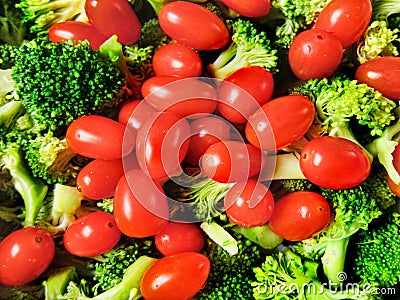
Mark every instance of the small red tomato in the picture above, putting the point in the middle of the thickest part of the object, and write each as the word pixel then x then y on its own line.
pixel 177 60
pixel 395 186
pixel 179 237
pixel 382 74
pixel 249 8
pixel 249 203
pixel 134 113
pixel 24 255
pixel 334 163
pixel 166 278
pixel 300 215
pixel 315 54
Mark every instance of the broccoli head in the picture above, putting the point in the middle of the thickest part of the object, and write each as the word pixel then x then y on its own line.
pixel 7 56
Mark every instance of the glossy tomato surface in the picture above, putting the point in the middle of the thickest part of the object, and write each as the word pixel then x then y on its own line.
pixel 315 54
pixel 193 25
pixel 169 277
pixel 92 234
pixel 249 8
pixel 382 74
pixel 134 113
pixel 347 20
pixel 24 255
pixel 334 163
pixel 300 215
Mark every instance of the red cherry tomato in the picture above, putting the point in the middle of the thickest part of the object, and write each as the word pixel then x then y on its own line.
pixel 315 54
pixel 243 92
pixel 179 237
pixel 383 74
pixel 114 17
pixel 395 188
pixel 193 25
pixel 205 132
pixel 92 234
pixel 177 60
pixel 98 179
pixel 300 215
pixel 140 205
pixel 334 163
pixel 249 203
pixel 24 255
pixel 99 138
pixel 77 31
pixel 280 122
pixel 166 278
pixel 134 113
pixel 250 9
pixel 347 20
pixel 231 161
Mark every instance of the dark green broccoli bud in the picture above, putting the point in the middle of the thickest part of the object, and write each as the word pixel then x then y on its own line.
pixel 59 82
pixel 294 185
pixel 8 54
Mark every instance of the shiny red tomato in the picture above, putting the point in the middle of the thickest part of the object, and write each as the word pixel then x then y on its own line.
pixel 300 215
pixel 24 255
pixel 243 92
pixel 77 31
pixel 166 278
pixel 162 144
pixel 315 54
pixel 231 161
pixel 99 137
pixel 383 74
pixel 188 97
pixel 280 122
pixel 114 17
pixel 249 8
pixel 98 179
pixel 205 132
pixel 347 20
pixel 179 237
pixel 92 234
pixel 193 25
pixel 395 186
pixel 334 163
pixel 134 113
pixel 177 60
pixel 140 205
pixel 249 203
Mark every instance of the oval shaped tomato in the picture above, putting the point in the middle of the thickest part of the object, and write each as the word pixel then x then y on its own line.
pixel 382 74
pixel 300 215
pixel 347 20
pixel 24 255
pixel 315 54
pixel 134 113
pixel 249 203
pixel 179 237
pixel 99 137
pixel 193 25
pixel 243 92
pixel 168 275
pixel 140 205
pixel 98 179
pixel 249 8
pixel 280 122
pixel 114 17
pixel 76 31
pixel 231 161
pixel 395 186
pixel 92 234
pixel 175 59
pixel 334 163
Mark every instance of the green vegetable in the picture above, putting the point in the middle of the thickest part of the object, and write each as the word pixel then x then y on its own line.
pixel 7 56
pixel 13 30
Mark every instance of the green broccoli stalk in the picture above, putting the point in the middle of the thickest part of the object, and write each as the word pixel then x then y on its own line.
pixel 57 282
pixel 158 4
pixel 42 14
pixel 383 9
pixel 249 46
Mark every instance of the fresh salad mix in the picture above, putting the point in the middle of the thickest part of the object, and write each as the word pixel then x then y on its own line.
pixel 202 149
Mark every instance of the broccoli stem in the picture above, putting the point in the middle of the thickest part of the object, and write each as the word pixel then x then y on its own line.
pixel 9 112
pixel 334 258
pixel 287 166
pixel 157 5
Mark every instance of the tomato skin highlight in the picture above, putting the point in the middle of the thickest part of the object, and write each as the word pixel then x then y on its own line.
pixel 249 8
pixel 168 275
pixel 382 74
pixel 99 137
pixel 300 215
pixel 24 255
pixel 334 163
pixel 134 113
pixel 193 25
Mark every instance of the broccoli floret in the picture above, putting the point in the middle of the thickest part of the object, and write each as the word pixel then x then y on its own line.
pixel 377 253
pixel 44 13
pixel 294 185
pixel 8 54
pixel 59 82
pixel 13 30
pixel 383 9
pixel 249 46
